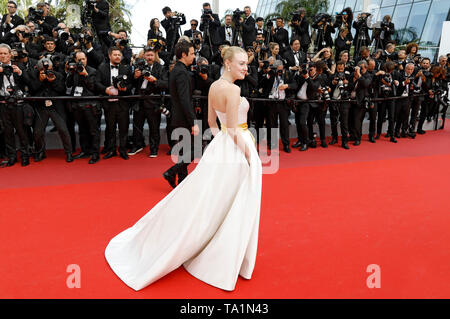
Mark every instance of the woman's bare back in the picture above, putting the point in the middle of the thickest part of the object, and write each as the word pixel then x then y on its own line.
pixel 219 92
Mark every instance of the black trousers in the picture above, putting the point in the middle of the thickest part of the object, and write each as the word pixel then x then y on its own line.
pixel 415 107
pixel 116 115
pixel 153 117
pixel 89 132
pixel 372 119
pixel 403 107
pixel 261 115
pixel 318 113
pixel 301 120
pixel 339 111
pixel 69 117
pixel 358 116
pixel 389 107
pixel 43 114
pixel 279 110
pixel 186 156
pixel 12 118
pixel 424 111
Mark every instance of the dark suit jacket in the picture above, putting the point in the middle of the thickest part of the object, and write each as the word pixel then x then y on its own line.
pixel 213 30
pixel 281 37
pixel 188 33
pixel 222 33
pixel 103 78
pixel 100 20
pixel 289 58
pixel 248 31
pixel 161 84
pixel 15 21
pixel 362 87
pixel 180 87
pixel 48 25
pixel 302 33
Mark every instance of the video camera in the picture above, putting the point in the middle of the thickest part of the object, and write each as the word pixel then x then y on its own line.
pixel 295 16
pixel 322 17
pixel 237 14
pixel 35 15
pixel 364 16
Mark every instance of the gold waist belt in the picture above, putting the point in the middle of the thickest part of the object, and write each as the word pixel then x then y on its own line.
pixel 242 126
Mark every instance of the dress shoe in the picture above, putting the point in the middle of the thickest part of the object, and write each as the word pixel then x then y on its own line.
pixel 421 132
pixel 170 178
pixel 11 162
pixel 124 155
pixel 371 139
pixel 377 137
pixel 357 142
pixel 403 135
pixel 287 149
pixel 345 145
pixel 397 134
pixel 25 161
pixel 323 144
pixel 81 155
pixel 109 155
pixel 333 141
pixel 387 135
pixel 304 147
pixel 69 158
pixel 94 159
pixel 393 140
pixel 104 151
pixel 134 150
pixel 313 144
pixel 297 144
pixel 412 135
pixel 153 153
pixel 39 156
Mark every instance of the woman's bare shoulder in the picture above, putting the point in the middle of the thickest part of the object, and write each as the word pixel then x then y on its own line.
pixel 223 87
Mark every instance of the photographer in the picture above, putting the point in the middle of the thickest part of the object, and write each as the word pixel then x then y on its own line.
pixel 322 23
pixel 227 31
pixel 150 78
pixel 341 85
pixel 45 22
pixel 383 34
pixel 374 92
pixel 11 19
pixel 342 42
pixel 362 26
pixel 47 82
pixel 280 35
pixel 12 84
pixel 326 55
pixel 363 82
pixel 294 57
pixel 81 82
pixel 405 89
pixel 113 79
pixel 260 27
pixel 274 84
pixel 437 94
pixel 91 47
pixel 300 29
pixel 248 27
pixel 120 40
pixel 209 25
pixel 155 33
pixel 389 53
pixel 189 33
pixel 171 23
pixel 201 49
pixel 388 88
pixel 424 78
pixel 99 11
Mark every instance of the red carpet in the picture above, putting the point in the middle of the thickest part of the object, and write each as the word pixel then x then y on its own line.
pixel 326 215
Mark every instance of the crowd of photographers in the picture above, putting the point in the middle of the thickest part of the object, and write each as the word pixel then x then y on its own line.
pixel 307 74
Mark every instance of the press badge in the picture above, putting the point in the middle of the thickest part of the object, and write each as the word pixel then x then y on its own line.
pixel 78 91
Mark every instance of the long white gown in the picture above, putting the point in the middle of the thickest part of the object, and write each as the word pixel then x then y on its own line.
pixel 208 223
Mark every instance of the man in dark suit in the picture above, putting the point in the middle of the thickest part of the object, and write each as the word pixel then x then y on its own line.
pixel 248 28
pixel 193 30
pixel 281 35
pixel 100 23
pixel 294 57
pixel 171 24
pixel 183 116
pixel 11 113
pixel 153 79
pixel 210 25
pixel 11 19
pixel 87 113
pixel 116 111
pixel 227 32
pixel 48 23
pixel 300 30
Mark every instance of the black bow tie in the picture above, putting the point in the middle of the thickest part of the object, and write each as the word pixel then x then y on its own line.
pixel 295 52
pixel 114 67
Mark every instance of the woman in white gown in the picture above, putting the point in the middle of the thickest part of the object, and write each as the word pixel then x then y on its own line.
pixel 209 222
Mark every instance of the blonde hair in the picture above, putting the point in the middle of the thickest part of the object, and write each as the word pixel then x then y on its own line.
pixel 228 52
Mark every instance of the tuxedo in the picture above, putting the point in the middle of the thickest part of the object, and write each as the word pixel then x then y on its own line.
pixel 189 34
pixel 281 37
pixel 227 33
pixel 116 112
pixel 15 21
pixel 290 57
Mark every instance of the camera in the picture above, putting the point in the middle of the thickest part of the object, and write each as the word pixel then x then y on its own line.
pixel 203 69
pixel 12 93
pixel 122 42
pixel 237 14
pixel 63 35
pixel 19 47
pixel 325 94
pixel 304 69
pixel 121 80
pixel 35 15
pixel 295 16
pixel 386 88
pixel 154 44
pixel 322 17
pixel 7 70
pixel 142 66
pixel 163 110
pixel 76 67
pixel 363 16
pixel 205 16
